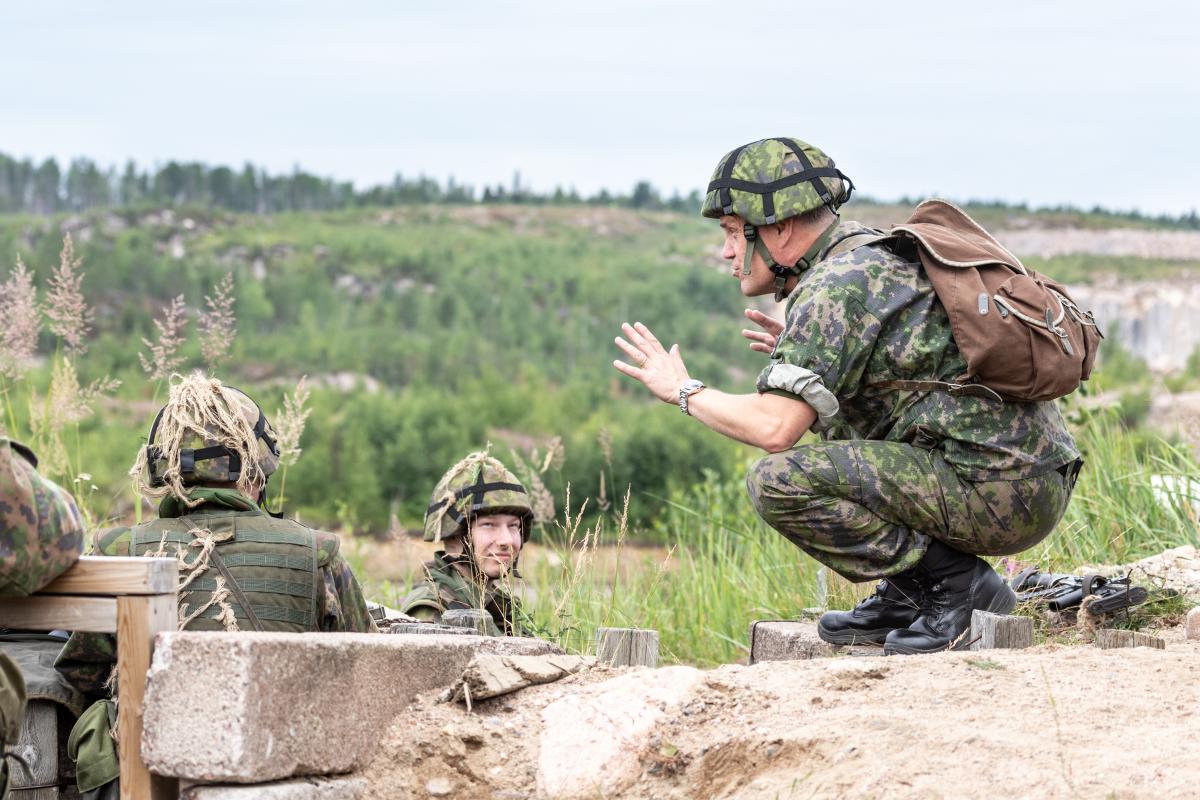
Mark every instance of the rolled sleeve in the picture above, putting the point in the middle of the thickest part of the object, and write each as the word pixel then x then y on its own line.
pixel 805 384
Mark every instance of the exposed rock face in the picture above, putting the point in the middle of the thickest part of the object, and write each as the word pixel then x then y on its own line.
pixel 1154 320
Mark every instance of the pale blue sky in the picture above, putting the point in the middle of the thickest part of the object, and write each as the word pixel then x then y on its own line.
pixel 1069 102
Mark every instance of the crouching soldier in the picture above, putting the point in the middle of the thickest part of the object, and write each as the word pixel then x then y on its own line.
pixel 208 458
pixel 482 515
pixel 41 534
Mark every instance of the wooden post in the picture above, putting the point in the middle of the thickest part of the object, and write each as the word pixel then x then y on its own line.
pixel 1000 631
pixel 627 647
pixel 1110 638
pixel 139 620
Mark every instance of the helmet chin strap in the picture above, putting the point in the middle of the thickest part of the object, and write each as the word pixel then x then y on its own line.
pixel 782 271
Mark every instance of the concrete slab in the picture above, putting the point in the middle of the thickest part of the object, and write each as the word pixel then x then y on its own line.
pixel 256 707
pixel 347 788
pixel 1192 624
pixel 794 640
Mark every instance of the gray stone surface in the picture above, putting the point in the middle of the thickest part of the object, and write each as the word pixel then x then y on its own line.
pixel 787 640
pixel 1192 624
pixel 342 788
pixel 255 707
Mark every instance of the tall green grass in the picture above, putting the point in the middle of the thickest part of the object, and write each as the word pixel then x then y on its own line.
pixel 724 568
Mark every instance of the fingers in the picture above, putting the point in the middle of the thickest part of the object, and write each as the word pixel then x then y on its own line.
pixel 637 355
pixel 762 348
pixel 626 369
pixel 769 324
pixel 758 336
pixel 643 338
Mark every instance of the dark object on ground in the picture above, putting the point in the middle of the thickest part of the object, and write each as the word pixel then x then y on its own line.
pixel 1061 592
pixel 955 584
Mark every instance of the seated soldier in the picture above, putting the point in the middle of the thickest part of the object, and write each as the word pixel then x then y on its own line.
pixel 208 458
pixel 482 514
pixel 41 534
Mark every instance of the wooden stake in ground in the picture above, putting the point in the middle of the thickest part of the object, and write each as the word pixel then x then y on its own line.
pixel 1110 638
pixel 1000 631
pixel 627 647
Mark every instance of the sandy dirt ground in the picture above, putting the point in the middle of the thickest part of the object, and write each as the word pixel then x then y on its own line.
pixel 1050 722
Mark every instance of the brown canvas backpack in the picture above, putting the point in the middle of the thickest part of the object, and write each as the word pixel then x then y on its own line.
pixel 1022 335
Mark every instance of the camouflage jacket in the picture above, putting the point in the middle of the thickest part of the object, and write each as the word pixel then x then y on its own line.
pixel 41 531
pixel 445 588
pixel 863 316
pixel 335 593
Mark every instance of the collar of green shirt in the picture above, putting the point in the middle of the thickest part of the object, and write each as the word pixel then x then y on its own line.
pixel 210 499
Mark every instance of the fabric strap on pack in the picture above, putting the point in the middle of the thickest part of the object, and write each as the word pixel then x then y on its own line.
pixel 952 389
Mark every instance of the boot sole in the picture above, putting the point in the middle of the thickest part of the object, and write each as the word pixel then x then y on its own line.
pixel 875 637
pixel 1004 601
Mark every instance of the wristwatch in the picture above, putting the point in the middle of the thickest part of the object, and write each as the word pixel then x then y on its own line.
pixel 689 388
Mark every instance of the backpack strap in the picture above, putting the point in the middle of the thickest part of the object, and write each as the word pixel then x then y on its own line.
pixel 952 389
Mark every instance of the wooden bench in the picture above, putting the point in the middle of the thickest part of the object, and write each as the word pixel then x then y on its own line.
pixel 135 598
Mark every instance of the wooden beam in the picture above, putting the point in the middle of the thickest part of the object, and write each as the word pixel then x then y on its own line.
pixel 108 575
pixel 38 613
pixel 1111 638
pixel 139 620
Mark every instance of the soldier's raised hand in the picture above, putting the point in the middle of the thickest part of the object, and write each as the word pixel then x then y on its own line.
pixel 661 370
pixel 762 341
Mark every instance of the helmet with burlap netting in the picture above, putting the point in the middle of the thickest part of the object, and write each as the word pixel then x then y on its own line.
pixel 771 180
pixel 477 485
pixel 206 433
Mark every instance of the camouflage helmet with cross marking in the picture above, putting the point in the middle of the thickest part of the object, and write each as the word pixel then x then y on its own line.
pixel 476 486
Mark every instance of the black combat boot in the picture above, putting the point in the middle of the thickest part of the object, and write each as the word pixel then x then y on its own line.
pixel 895 604
pixel 955 584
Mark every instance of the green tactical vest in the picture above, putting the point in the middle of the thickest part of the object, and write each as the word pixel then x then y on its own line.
pixel 271 566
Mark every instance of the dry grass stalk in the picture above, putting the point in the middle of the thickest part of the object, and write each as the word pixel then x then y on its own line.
pixel 22 320
pixel 290 422
pixel 67 404
pixel 539 496
pixel 164 358
pixel 69 314
pixel 218 325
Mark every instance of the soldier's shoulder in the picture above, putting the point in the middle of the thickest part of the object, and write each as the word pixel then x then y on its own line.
pixel 112 541
pixel 328 545
pixel 424 595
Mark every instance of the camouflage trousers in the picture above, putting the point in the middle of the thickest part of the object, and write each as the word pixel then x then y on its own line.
pixel 866 509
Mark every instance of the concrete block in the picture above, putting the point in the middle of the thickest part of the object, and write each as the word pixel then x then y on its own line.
pixel 347 788
pixel 786 640
pixel 1192 625
pixel 256 707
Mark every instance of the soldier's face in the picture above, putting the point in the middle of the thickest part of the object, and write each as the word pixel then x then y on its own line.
pixel 496 540
pixel 760 281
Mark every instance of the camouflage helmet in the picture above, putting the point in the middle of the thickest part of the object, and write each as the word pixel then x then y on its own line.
pixel 770 180
pixel 214 457
pixel 477 485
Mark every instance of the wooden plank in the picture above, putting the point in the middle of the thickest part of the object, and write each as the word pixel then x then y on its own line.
pixel 139 619
pixel 627 647
pixel 111 575
pixel 1000 631
pixel 1112 638
pixel 38 748
pixel 40 613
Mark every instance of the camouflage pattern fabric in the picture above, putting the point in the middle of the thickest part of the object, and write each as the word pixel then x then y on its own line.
pixel 88 658
pixel 866 509
pixel 445 587
pixel 867 316
pixel 41 531
pixel 766 161
pixel 478 485
pixel 977 474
